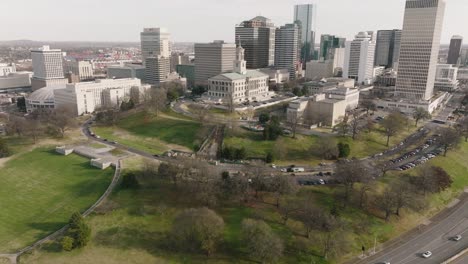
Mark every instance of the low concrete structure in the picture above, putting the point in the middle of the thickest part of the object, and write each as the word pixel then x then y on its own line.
pixel 408 106
pixel 101 163
pixel 64 150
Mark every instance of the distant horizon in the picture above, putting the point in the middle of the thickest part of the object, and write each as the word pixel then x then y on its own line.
pixel 192 22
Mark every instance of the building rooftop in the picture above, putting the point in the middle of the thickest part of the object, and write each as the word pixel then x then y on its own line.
pixel 44 94
pixel 238 76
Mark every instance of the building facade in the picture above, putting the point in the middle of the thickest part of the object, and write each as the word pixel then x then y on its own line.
pixel 156 69
pixel 286 52
pixel 257 37
pixel 155 42
pixel 179 59
pixel 446 78
pixel 126 71
pixel 82 69
pixel 13 81
pixel 328 44
pixel 188 72
pixel 387 50
pixel 47 67
pixel 6 69
pixel 239 86
pixel 212 59
pixel 420 44
pixel 456 44
pixel 306 16
pixel 359 58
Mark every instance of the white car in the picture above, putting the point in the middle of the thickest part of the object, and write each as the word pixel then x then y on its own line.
pixel 321 181
pixel 427 254
pixel 284 170
pixel 457 238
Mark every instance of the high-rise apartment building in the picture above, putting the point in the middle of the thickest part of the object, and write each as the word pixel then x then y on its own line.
pixel 359 58
pixel 306 15
pixel 286 53
pixel 455 49
pixel 420 43
pixel 47 67
pixel 212 59
pixel 327 45
pixel 156 54
pixel 387 49
pixel 257 37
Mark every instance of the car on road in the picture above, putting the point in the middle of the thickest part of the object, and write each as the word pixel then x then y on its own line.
pixel 427 254
pixel 284 170
pixel 273 166
pixel 457 238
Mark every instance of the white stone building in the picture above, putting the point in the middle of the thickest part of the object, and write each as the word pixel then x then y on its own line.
pixel 6 69
pixel 48 67
pixel 15 80
pixel 239 86
pixel 359 58
pixel 446 78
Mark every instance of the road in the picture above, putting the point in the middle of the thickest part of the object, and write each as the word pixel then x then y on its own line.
pixel 435 238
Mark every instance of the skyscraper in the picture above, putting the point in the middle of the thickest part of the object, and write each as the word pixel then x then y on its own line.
pixel 47 67
pixel 306 15
pixel 420 43
pixel 212 59
pixel 156 54
pixel 286 53
pixel 257 37
pixel 387 49
pixel 155 42
pixel 456 44
pixel 328 43
pixel 359 58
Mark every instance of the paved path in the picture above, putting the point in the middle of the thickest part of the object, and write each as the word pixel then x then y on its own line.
pixel 12 257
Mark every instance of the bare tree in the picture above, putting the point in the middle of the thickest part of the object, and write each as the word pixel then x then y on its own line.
pixel 281 185
pixel 369 105
pixel 449 139
pixel 343 125
pixel 288 207
pixel 349 173
pixel 16 125
pixel 354 123
pixel 155 100
pixel 393 124
pixel 34 129
pixel 326 148
pixel 293 122
pixel 62 120
pixel 201 113
pixel 386 202
pixel 370 125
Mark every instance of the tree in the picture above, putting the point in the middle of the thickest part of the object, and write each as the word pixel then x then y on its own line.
pixel 343 126
pixel 369 105
pixel 273 129
pixel 403 195
pixel 420 114
pixel 198 230
pixel 260 241
pixel 34 129
pixel 393 124
pixel 107 116
pixel 154 100
pixel 67 243
pixel 130 181
pixel 198 90
pixel 62 120
pixel 127 105
pixel 432 179
pixel 289 206
pixel 169 171
pixel 326 148
pixel 310 216
pixel 281 185
pixel 370 125
pixel 21 104
pixel 16 125
pixel 4 149
pixel 269 157
pixel 449 139
pixel 344 150
pixel 386 202
pixel 201 113
pixel 354 124
pixel 293 122
pixel 78 230
pixel 349 173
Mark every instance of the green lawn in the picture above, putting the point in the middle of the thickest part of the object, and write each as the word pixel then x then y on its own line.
pixel 155 135
pixel 40 190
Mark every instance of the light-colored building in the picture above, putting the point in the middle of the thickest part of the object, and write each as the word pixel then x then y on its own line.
pixel 446 78
pixel 318 87
pixel 316 70
pixel 408 106
pixel 156 69
pixel 47 67
pixel 257 37
pixel 387 50
pixel 175 78
pixel 359 59
pixel 277 76
pixel 420 44
pixel 155 42
pixel 6 69
pixel 126 71
pixel 87 97
pixel 239 86
pixel 212 59
pixel 179 59
pixel 305 15
pixel 82 69
pixel 286 52
pixel 41 99
pixel 462 74
pixel 15 81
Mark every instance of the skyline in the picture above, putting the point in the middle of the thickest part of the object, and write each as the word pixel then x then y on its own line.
pixel 212 21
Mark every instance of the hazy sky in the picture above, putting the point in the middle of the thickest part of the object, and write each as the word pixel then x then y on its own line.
pixel 199 20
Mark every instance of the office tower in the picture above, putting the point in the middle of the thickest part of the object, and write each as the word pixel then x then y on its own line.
pixel 306 15
pixel 257 37
pixel 286 53
pixel 47 67
pixel 387 49
pixel 155 42
pixel 82 69
pixel 359 58
pixel 420 43
pixel 327 45
pixel 156 50
pixel 212 59
pixel 157 69
pixel 179 59
pixel 455 49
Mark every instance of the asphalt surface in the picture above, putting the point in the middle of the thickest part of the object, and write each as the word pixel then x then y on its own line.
pixel 436 238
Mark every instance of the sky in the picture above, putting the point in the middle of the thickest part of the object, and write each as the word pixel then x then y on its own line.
pixel 200 20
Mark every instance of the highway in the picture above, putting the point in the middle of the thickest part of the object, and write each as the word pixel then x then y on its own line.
pixel 435 238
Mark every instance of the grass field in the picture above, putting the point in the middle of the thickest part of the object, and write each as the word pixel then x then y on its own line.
pixel 154 135
pixel 40 190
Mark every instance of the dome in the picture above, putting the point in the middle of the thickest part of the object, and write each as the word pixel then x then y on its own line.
pixel 43 94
